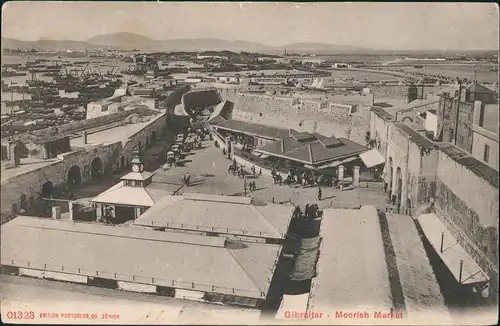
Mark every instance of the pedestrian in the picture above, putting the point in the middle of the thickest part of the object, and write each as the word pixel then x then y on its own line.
pixel 320 193
pixel 385 187
pixel 260 171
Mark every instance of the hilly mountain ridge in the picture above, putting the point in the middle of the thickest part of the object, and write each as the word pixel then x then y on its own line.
pixel 129 41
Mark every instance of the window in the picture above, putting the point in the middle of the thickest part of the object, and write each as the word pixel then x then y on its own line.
pixel 486 153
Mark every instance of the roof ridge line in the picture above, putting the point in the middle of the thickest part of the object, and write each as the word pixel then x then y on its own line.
pixel 266 220
pixel 244 270
pixel 117 236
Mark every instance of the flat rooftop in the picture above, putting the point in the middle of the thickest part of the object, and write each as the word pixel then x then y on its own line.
pixel 221 214
pixel 27 165
pixel 111 135
pixel 133 254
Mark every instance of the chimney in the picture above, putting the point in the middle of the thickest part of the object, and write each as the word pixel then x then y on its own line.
pixel 14 155
pixel 478 113
pixel 85 136
pixel 56 212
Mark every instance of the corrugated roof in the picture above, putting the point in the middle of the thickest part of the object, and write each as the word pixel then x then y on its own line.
pixel 253 129
pixel 479 168
pixel 105 250
pixel 221 214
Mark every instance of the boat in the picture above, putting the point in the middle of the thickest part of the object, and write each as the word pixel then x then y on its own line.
pixel 134 72
pixel 12 74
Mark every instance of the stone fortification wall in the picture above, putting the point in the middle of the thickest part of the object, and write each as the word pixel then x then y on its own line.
pixel 200 99
pixel 309 116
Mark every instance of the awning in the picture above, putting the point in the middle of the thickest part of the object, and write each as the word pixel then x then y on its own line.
pixel 305 262
pixel 372 158
pixel 459 262
pixel 337 163
pixel 295 303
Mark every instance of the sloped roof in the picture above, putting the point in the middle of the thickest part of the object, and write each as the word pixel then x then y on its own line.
pixel 140 255
pixel 137 176
pixel 313 150
pixel 221 112
pixel 253 129
pixel 422 105
pixel 120 194
pixel 415 137
pixel 219 214
pixel 366 284
pixel 478 88
pixel 216 120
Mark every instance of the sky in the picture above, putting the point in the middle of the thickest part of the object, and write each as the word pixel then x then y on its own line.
pixel 381 26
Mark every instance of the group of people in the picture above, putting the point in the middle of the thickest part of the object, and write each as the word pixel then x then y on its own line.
pixel 304 179
pixel 186 178
pixel 251 186
pixel 311 212
pixel 240 171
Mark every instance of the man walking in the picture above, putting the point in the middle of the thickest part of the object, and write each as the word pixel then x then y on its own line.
pixel 320 193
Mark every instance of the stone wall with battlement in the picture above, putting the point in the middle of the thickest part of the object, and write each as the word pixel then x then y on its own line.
pixel 287 112
pixel 200 98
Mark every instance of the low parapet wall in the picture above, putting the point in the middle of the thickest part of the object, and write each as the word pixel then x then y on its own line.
pixel 79 126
